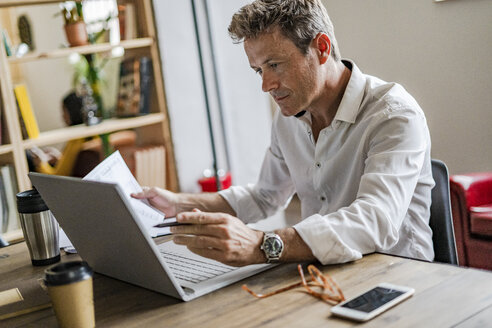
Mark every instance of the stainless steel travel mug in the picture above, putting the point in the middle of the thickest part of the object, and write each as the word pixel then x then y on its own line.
pixel 39 227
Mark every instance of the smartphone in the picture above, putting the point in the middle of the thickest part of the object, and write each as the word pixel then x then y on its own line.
pixel 372 302
pixel 169 222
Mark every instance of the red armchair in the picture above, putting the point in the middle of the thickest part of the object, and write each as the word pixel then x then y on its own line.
pixel 471 201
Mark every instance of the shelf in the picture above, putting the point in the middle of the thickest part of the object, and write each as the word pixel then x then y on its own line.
pixel 5 149
pixel 82 50
pixel 12 3
pixel 151 128
pixel 83 131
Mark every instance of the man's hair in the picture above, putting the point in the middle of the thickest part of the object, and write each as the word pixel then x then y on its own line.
pixel 299 20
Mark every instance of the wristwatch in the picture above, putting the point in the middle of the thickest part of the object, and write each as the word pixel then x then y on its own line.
pixel 273 246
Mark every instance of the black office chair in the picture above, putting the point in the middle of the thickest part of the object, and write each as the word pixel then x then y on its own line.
pixel 441 219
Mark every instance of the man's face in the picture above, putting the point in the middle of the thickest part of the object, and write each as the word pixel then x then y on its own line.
pixel 287 74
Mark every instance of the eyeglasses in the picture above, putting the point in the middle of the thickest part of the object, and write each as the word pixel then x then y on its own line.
pixel 330 293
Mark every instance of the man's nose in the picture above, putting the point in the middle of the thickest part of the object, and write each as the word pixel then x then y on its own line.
pixel 269 82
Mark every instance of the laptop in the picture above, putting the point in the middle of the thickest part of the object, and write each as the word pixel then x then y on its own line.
pixel 106 232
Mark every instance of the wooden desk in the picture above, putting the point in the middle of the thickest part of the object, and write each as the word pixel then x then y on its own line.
pixel 444 296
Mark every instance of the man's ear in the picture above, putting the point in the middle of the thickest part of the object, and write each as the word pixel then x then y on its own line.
pixel 323 47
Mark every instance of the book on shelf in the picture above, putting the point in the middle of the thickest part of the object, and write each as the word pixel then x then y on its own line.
pixel 10 216
pixel 4 209
pixel 128 21
pixel 147 164
pixel 26 118
pixel 2 128
pixel 6 43
pixel 134 87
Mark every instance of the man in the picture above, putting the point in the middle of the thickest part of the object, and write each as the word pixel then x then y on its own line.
pixel 355 149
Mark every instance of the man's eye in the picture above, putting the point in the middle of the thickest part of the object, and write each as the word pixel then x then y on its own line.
pixel 258 71
pixel 273 65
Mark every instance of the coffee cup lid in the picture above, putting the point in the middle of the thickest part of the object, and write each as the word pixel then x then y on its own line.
pixel 30 201
pixel 67 272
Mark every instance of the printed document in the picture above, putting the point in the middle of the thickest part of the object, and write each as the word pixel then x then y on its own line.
pixel 114 170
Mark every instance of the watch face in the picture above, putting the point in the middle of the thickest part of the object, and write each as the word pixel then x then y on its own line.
pixel 273 246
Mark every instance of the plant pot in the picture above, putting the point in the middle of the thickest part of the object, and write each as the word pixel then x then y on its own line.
pixel 76 34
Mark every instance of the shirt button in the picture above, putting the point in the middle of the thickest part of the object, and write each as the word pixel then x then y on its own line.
pixel 323 198
pixel 318 164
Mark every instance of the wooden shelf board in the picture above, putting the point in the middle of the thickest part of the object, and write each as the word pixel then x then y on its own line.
pixel 88 49
pixel 4 149
pixel 83 131
pixel 12 3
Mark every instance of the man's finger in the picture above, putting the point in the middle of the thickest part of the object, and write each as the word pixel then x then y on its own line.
pixel 145 193
pixel 199 242
pixel 213 230
pixel 202 218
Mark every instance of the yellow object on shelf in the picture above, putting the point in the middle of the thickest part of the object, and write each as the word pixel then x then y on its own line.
pixel 26 111
pixel 65 164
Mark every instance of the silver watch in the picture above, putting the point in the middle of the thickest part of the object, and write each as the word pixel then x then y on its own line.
pixel 273 246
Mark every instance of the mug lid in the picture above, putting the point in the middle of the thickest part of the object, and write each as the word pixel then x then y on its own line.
pixel 67 272
pixel 30 201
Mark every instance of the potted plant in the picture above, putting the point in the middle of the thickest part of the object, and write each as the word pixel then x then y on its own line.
pixel 75 28
pixel 87 78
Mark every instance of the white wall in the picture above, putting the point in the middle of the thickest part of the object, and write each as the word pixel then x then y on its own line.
pixel 441 53
pixel 246 108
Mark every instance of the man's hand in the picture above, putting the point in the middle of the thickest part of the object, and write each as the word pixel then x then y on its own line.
pixel 164 200
pixel 219 236
pixel 171 203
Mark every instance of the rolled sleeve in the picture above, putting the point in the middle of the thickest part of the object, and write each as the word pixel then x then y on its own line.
pixel 243 203
pixel 324 241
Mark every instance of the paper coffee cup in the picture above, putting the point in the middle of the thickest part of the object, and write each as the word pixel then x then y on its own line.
pixel 70 289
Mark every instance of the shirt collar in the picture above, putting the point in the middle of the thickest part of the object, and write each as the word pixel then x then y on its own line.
pixel 354 92
pixel 351 100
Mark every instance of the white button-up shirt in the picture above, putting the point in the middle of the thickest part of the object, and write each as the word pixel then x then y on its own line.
pixel 364 186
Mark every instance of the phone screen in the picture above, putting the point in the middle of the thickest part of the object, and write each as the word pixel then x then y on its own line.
pixel 373 299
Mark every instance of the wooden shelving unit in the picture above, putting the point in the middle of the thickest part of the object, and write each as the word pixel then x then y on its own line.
pixel 83 50
pixel 82 131
pixel 151 129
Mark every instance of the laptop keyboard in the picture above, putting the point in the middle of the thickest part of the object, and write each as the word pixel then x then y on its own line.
pixel 193 270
